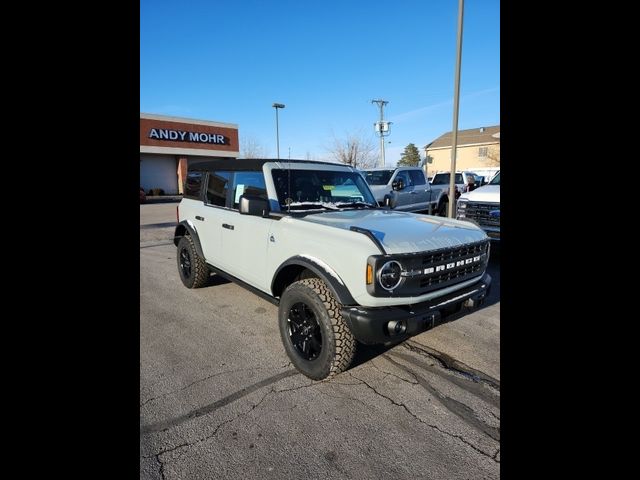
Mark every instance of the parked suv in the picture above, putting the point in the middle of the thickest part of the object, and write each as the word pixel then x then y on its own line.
pixel 309 237
pixel 406 188
pixel 482 207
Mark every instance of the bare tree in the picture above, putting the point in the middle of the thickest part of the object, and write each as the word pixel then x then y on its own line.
pixel 354 150
pixel 252 148
pixel 493 156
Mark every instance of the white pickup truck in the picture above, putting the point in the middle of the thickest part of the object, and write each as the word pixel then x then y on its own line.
pixel 482 207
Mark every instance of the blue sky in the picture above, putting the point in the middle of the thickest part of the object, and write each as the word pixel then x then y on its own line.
pixel 230 61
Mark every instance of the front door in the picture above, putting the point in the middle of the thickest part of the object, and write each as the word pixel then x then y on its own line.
pixel 245 238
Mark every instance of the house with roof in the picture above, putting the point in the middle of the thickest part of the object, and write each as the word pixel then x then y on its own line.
pixel 478 148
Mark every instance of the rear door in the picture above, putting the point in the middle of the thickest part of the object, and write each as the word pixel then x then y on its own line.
pixel 404 196
pixel 420 191
pixel 212 215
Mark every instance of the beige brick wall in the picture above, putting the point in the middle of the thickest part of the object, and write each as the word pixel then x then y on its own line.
pixel 468 158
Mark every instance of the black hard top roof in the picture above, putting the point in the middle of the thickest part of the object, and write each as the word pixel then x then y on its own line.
pixel 240 164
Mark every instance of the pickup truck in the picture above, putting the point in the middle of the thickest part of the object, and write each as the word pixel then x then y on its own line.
pixel 406 189
pixel 482 207
pixel 440 187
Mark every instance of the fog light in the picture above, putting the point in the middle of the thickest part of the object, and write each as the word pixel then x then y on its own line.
pixel 396 327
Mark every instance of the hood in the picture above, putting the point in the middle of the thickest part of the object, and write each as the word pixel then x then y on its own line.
pixel 488 193
pixel 402 232
pixel 379 191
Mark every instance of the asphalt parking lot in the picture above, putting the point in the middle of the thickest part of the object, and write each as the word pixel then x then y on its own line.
pixel 220 399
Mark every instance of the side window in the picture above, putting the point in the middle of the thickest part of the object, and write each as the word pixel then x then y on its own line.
pixel 192 185
pixel 248 183
pixel 459 179
pixel 404 175
pixel 217 188
pixel 417 177
pixel 440 179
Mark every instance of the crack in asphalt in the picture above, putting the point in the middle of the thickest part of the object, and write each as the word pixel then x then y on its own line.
pixel 161 466
pixel 480 390
pixel 459 437
pixel 167 424
pixel 344 397
pixel 207 437
pixel 451 363
pixel 393 374
pixel 464 412
pixel 495 455
pixel 199 381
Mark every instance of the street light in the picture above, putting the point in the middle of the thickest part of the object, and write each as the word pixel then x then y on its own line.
pixel 277 106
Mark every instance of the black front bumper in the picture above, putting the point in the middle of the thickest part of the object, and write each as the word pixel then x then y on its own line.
pixel 370 325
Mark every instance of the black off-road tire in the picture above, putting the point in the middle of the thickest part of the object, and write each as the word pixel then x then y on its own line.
pixel 196 273
pixel 338 345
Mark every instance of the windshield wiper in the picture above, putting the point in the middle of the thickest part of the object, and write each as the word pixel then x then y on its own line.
pixel 355 205
pixel 311 206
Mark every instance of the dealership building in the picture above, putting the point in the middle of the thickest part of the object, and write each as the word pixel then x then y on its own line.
pixel 169 144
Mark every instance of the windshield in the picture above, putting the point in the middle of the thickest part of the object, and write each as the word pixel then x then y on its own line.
pixel 378 177
pixel 321 189
pixel 495 180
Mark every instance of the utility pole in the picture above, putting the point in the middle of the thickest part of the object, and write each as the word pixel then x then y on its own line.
pixel 456 101
pixel 382 128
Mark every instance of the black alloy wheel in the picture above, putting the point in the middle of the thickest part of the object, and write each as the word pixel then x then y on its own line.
pixel 304 331
pixel 185 262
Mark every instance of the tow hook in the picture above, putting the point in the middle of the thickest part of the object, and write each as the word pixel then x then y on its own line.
pixel 470 302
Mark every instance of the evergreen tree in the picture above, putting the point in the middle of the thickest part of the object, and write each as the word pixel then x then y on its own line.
pixel 410 156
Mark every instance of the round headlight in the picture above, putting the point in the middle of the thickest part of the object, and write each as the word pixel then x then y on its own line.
pixel 389 275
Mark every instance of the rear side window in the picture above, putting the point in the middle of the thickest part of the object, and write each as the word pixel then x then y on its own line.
pixel 192 185
pixel 248 183
pixel 217 188
pixel 417 177
pixel 441 179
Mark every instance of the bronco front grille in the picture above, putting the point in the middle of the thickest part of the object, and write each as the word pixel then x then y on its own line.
pixel 425 272
pixel 462 274
pixel 485 214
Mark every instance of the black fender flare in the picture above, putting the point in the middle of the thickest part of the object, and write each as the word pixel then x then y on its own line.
pixel 189 227
pixel 330 278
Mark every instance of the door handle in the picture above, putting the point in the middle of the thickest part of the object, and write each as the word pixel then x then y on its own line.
pixel 198 217
pixel 226 225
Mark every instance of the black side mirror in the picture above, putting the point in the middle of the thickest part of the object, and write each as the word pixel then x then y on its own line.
pixel 398 184
pixel 390 201
pixel 254 205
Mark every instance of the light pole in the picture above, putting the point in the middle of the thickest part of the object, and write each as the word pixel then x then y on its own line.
pixel 456 103
pixel 277 106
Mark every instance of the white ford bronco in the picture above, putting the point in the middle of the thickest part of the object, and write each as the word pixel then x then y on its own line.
pixel 309 237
